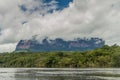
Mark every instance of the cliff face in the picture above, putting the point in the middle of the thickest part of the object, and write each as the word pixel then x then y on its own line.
pixel 60 45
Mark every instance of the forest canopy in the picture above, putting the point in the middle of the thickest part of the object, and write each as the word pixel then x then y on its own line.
pixel 105 57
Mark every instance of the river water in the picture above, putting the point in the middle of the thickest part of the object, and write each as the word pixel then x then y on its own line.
pixel 59 74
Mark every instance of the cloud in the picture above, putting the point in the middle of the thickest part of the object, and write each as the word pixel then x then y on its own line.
pixel 83 18
pixel 7 47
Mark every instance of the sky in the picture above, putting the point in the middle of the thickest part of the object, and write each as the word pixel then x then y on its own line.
pixel 67 19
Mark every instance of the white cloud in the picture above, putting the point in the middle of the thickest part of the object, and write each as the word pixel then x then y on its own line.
pixel 7 47
pixel 84 18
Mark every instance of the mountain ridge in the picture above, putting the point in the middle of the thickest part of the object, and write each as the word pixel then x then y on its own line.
pixel 60 44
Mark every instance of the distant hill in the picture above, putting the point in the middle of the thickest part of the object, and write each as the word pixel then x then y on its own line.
pixel 60 44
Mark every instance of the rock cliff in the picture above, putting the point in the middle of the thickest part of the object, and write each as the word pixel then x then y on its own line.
pixel 59 44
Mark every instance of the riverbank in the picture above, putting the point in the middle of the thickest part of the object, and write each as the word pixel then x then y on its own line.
pixel 105 57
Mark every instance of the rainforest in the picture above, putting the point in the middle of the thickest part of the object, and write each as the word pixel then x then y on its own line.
pixel 105 57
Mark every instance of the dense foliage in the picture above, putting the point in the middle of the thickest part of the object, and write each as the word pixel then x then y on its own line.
pixel 107 56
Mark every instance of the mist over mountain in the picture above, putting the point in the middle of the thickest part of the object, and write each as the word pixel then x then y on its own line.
pixel 59 44
pixel 66 19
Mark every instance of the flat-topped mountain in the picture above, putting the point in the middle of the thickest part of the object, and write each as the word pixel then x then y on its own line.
pixel 59 44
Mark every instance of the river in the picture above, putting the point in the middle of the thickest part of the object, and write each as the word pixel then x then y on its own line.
pixel 59 74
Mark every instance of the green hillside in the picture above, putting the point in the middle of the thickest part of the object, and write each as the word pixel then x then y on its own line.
pixel 107 56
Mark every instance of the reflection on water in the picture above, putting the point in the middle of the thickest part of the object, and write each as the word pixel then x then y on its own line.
pixel 59 74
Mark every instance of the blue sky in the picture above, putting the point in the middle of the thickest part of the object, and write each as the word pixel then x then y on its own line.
pixel 65 19
pixel 60 5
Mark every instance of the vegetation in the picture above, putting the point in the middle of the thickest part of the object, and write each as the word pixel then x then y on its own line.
pixel 107 56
